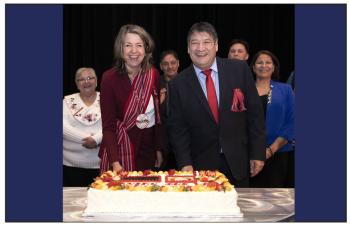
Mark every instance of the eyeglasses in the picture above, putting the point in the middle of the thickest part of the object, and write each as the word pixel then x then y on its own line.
pixel 167 64
pixel 86 79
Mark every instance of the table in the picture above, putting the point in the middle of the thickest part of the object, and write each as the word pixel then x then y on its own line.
pixel 257 205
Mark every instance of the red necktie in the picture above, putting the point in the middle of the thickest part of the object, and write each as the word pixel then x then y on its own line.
pixel 212 100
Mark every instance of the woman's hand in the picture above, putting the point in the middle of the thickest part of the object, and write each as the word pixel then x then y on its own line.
pixel 89 143
pixel 159 160
pixel 269 153
pixel 117 167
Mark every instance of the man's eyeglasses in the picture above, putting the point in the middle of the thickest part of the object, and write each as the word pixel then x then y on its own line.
pixel 86 79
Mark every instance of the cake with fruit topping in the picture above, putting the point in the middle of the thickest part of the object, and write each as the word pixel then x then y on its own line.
pixel 162 193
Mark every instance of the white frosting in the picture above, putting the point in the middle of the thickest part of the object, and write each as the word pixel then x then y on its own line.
pixel 142 202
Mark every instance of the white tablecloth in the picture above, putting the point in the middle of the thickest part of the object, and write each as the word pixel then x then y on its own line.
pixel 257 205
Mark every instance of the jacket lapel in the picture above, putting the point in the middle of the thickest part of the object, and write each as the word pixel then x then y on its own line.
pixel 197 90
pixel 222 86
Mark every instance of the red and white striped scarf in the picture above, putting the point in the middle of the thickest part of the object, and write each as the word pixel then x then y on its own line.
pixel 141 91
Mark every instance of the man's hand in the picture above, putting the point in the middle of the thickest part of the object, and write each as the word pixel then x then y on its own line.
pixel 255 167
pixel 188 168
pixel 159 160
pixel 163 92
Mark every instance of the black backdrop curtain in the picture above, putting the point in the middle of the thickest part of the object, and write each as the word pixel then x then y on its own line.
pixel 90 30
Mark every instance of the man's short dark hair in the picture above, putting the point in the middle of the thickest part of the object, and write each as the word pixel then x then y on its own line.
pixel 240 41
pixel 202 27
pixel 166 52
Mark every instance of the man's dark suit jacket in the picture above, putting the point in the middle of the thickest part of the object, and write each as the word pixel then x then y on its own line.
pixel 195 136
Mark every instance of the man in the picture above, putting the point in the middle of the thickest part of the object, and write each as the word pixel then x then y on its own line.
pixel 239 49
pixel 216 121
pixel 169 64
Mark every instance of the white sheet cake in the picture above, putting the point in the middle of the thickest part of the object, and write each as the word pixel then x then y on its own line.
pixel 162 193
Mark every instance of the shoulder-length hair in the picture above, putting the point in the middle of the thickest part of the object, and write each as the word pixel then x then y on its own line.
pixel 276 73
pixel 119 44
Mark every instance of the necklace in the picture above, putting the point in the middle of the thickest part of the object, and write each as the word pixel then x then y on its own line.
pixel 264 90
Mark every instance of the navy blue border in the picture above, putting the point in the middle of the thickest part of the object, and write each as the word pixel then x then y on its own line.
pixel 320 113
pixel 33 113
pixel 34 127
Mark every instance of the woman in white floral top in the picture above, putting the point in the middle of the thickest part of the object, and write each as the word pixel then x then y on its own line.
pixel 82 131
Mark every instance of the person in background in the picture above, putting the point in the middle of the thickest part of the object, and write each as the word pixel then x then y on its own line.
pixel 291 80
pixel 132 135
pixel 291 158
pixel 169 64
pixel 216 119
pixel 82 131
pixel 278 105
pixel 239 49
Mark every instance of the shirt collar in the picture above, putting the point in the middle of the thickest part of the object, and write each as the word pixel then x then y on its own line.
pixel 213 67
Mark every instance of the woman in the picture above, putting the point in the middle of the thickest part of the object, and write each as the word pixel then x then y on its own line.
pixel 278 103
pixel 82 131
pixel 130 105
